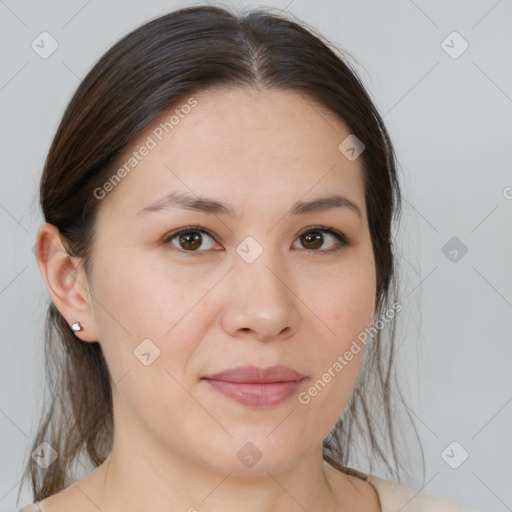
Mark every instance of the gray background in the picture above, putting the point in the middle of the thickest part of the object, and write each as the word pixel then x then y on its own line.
pixel 451 123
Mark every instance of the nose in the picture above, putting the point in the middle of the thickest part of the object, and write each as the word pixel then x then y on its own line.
pixel 261 302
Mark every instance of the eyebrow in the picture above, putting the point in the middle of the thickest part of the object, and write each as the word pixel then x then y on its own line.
pixel 213 207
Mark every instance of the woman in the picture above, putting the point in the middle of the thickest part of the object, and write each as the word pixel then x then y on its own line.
pixel 218 202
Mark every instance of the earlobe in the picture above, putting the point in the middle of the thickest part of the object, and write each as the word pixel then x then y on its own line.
pixel 66 282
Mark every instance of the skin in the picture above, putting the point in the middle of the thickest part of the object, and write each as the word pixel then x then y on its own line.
pixel 176 438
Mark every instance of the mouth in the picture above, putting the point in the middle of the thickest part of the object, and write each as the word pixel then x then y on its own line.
pixel 257 387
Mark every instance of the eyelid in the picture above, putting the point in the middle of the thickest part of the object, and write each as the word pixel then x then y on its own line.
pixel 186 229
pixel 327 229
pixel 343 240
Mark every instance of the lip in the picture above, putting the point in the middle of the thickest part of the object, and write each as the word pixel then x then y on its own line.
pixel 257 387
pixel 256 375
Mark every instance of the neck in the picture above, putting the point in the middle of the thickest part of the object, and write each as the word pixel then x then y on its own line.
pixel 135 484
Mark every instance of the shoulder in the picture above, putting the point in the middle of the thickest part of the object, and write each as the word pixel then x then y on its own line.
pixel 33 507
pixel 395 497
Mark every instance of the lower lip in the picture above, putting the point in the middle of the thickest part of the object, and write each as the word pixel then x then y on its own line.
pixel 257 395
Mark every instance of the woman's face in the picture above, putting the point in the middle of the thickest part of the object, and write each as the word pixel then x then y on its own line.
pixel 255 282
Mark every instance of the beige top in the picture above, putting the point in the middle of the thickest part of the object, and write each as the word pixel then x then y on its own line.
pixel 396 498
pixel 393 498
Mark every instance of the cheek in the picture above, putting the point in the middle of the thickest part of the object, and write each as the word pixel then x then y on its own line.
pixel 138 310
pixel 143 319
pixel 345 308
pixel 339 353
pixel 139 298
pixel 345 303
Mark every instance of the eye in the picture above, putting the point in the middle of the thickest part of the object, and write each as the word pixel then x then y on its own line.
pixel 190 239
pixel 314 238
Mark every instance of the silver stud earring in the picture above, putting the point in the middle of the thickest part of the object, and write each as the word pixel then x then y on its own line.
pixel 77 327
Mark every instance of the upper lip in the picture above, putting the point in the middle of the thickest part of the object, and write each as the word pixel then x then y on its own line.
pixel 256 375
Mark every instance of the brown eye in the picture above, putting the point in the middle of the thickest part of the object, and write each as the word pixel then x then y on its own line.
pixel 191 240
pixel 315 238
pixel 312 240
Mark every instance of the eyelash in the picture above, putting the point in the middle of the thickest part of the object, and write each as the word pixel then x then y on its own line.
pixel 342 239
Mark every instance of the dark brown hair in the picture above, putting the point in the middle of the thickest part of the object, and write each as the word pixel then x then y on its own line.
pixel 141 77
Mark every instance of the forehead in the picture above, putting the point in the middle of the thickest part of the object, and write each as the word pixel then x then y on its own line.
pixel 241 145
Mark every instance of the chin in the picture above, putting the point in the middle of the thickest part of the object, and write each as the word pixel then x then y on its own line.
pixel 256 458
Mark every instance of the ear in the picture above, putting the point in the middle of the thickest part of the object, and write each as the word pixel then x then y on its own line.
pixel 65 281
